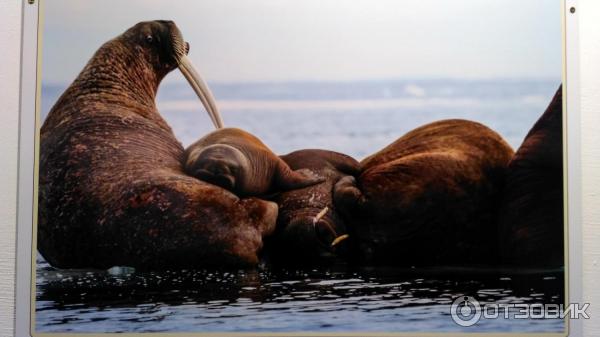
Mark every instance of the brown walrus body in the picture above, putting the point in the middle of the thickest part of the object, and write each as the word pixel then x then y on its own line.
pixel 308 223
pixel 112 186
pixel 428 198
pixel 238 161
pixel 531 213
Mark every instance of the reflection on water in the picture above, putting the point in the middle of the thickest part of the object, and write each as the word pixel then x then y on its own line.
pixel 329 299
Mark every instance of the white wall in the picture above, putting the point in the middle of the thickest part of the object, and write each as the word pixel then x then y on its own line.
pixel 10 38
pixel 589 11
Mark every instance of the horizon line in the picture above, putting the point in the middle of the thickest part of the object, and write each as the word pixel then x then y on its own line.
pixel 342 81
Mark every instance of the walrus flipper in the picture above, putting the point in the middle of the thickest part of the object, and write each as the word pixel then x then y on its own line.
pixel 287 179
pixel 347 196
pixel 344 163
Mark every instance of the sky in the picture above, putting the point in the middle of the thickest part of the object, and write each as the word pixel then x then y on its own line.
pixel 323 40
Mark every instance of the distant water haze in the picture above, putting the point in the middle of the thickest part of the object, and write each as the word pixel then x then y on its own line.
pixel 356 118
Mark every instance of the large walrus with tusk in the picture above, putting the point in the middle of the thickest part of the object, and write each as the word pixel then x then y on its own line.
pixel 238 161
pixel 429 197
pixel 531 212
pixel 309 228
pixel 112 186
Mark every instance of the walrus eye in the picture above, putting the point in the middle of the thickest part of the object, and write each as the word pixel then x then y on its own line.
pixel 149 38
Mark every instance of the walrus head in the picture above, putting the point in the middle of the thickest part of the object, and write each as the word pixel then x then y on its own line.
pixel 310 231
pixel 159 42
pixel 163 48
pixel 312 236
pixel 219 164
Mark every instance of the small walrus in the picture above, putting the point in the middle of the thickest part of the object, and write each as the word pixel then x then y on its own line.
pixel 428 198
pixel 238 161
pixel 309 228
pixel 532 207
pixel 111 182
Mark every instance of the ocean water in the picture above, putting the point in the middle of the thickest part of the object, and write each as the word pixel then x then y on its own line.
pixel 356 118
pixel 266 300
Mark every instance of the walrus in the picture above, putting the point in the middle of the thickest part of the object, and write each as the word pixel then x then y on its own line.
pixel 531 212
pixel 238 161
pixel 111 180
pixel 309 229
pixel 429 197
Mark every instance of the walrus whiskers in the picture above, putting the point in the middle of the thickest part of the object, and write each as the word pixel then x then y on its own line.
pixel 339 239
pixel 320 215
pixel 201 89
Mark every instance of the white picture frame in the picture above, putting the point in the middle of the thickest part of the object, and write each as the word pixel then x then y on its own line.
pixel 29 123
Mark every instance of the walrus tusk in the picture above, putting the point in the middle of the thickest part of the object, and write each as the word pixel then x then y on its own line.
pixel 201 89
pixel 339 239
pixel 320 215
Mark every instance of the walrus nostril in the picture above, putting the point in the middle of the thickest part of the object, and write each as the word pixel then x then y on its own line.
pixel 187 48
pixel 225 181
pixel 217 165
pixel 221 169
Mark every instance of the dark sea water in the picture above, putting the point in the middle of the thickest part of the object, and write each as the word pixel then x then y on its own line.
pixel 356 118
pixel 339 299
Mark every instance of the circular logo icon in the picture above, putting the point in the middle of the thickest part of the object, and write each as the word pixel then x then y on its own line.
pixel 465 311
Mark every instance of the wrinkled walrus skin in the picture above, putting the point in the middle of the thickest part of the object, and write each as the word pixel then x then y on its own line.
pixel 240 162
pixel 532 209
pixel 112 186
pixel 303 237
pixel 429 197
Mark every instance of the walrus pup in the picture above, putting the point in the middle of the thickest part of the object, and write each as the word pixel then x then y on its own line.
pixel 428 198
pixel 112 186
pixel 531 211
pixel 238 161
pixel 309 228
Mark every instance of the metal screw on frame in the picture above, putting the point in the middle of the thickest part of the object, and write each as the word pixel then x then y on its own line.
pixel 572 9
pixel 31 2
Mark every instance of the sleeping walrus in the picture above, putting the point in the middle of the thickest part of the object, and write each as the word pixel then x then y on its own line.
pixel 112 186
pixel 238 161
pixel 429 197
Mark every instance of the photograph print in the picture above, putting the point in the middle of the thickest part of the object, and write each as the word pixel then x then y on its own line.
pixel 328 167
